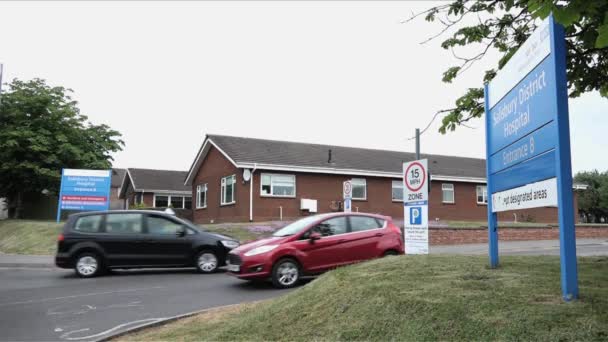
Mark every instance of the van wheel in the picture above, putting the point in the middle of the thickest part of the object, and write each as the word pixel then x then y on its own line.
pixel 88 265
pixel 206 262
pixel 285 274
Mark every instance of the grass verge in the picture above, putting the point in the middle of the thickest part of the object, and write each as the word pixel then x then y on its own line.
pixel 29 237
pixel 416 298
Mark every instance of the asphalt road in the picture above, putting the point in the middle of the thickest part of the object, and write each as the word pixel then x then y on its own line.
pixel 55 305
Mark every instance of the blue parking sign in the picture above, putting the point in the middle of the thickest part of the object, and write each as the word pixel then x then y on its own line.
pixel 416 216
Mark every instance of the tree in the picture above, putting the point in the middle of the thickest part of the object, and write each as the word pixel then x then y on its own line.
pixel 41 132
pixel 593 202
pixel 505 25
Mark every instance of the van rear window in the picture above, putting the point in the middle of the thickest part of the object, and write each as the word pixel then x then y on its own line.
pixel 88 224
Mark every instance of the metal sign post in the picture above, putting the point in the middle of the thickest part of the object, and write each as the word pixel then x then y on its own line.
pixel 415 207
pixel 528 160
pixel 84 190
pixel 347 195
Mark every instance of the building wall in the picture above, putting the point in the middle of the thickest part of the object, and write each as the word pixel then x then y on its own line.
pixel 327 190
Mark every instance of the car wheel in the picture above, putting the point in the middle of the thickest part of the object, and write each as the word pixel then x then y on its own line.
pixel 206 262
pixel 390 253
pixel 88 265
pixel 285 274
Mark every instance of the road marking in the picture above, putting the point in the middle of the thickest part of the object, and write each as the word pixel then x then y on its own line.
pixel 66 336
pixel 81 295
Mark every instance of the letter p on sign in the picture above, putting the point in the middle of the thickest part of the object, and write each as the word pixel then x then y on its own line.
pixel 415 215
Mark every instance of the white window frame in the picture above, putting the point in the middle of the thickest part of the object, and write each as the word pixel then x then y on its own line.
pixel 400 182
pixel 448 187
pixel 484 194
pixel 223 189
pixel 272 186
pixel 364 182
pixel 198 195
pixel 169 200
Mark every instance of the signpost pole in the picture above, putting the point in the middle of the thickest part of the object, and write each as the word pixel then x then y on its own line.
pixel 59 201
pixel 567 236
pixel 417 143
pixel 492 219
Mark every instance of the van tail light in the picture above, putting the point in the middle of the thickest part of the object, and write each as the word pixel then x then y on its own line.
pixel 60 238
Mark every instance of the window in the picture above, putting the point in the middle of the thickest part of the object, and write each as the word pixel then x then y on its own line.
pixel 361 223
pixel 123 223
pixel 334 226
pixel 397 191
pixel 228 190
pixel 201 196
pixel 447 193
pixel 176 201
pixel 359 191
pixel 482 194
pixel 88 224
pixel 278 185
pixel 161 225
pixel 161 201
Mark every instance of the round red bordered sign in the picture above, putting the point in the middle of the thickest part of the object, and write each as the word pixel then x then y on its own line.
pixel 348 188
pixel 407 179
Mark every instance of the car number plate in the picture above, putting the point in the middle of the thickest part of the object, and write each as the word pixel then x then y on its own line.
pixel 234 268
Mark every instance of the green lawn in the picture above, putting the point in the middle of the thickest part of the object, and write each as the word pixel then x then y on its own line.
pixel 29 237
pixel 417 298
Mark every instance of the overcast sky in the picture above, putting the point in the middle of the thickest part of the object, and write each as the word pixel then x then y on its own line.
pixel 164 74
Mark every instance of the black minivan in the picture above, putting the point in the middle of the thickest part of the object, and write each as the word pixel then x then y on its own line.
pixel 94 242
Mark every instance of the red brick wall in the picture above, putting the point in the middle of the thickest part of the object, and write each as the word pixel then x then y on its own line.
pixel 214 167
pixel 326 189
pixel 445 236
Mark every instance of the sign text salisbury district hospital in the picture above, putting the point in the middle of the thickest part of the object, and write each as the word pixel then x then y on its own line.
pixel 528 141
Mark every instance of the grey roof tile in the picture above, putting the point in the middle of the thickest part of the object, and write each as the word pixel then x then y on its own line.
pixel 250 150
pixel 149 179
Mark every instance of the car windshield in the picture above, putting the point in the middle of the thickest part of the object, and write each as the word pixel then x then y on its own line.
pixel 297 226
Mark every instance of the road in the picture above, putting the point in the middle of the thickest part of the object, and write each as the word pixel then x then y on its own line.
pixel 52 304
pixel 584 247
pixel 49 304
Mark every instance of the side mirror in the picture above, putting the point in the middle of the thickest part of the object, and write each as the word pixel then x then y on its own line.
pixel 314 236
pixel 181 232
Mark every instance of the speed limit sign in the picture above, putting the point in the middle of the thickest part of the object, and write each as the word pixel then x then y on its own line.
pixel 415 179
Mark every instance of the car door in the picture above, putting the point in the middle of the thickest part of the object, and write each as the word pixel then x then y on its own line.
pixel 164 246
pixel 325 253
pixel 364 236
pixel 123 239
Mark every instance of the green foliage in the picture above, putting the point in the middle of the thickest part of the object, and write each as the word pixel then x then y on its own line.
pixel 138 206
pixel 41 132
pixel 593 202
pixel 505 25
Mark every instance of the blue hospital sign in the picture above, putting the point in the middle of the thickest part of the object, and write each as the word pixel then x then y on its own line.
pixel 528 141
pixel 84 190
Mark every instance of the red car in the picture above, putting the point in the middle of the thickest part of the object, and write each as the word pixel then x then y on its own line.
pixel 315 244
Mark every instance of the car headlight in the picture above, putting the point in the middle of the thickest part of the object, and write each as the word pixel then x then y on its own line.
pixel 261 249
pixel 230 244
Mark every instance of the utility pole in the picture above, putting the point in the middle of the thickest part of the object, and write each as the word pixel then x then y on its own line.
pixel 417 143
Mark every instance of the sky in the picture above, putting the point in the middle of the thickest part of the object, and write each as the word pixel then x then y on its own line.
pixel 164 74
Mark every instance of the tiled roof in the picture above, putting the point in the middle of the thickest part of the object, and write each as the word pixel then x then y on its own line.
pixel 249 150
pixel 166 180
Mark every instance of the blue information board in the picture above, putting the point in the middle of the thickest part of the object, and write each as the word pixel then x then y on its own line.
pixel 84 190
pixel 528 141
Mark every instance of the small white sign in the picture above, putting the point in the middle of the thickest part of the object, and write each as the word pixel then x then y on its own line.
pixel 415 207
pixel 347 190
pixel 539 194
pixel 415 181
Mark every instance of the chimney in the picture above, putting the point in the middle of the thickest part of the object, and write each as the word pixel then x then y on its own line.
pixel 329 161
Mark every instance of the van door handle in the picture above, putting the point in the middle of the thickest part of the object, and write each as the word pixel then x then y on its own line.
pixel 379 234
